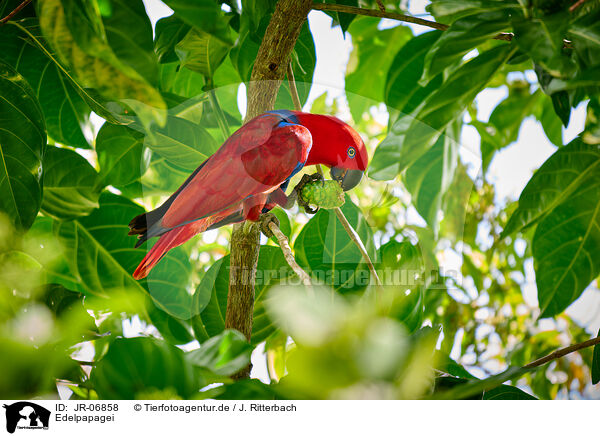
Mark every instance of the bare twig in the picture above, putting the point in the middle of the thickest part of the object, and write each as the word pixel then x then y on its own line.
pixel 14 12
pixel 86 363
pixel 380 14
pixel 563 352
pixel 356 239
pixel 392 16
pixel 293 89
pixel 287 253
pixel 380 6
pixel 576 5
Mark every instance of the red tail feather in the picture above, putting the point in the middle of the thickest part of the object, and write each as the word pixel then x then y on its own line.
pixel 171 239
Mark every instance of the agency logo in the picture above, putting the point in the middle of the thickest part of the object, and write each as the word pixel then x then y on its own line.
pixel 26 415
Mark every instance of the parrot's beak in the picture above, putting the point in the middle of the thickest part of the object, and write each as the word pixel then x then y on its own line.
pixel 347 178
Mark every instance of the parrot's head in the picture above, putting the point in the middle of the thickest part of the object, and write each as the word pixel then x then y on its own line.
pixel 336 145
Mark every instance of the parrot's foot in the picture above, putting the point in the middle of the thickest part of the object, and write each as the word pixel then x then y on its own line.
pixel 264 220
pixel 306 178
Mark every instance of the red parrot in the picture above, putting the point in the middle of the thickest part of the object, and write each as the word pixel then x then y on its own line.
pixel 248 176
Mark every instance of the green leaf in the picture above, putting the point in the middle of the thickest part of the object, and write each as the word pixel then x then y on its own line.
pixel 346 19
pixel 560 99
pixel 476 386
pixel 97 266
pixel 203 14
pixel 542 39
pixel 77 39
pixel 182 142
pixel 463 36
pixel 21 148
pixel 71 184
pixel 373 53
pixel 248 389
pixel 551 123
pixel 446 364
pixel 134 366
pixel 102 257
pixel 121 154
pixel 284 222
pixel 566 248
pixel 410 137
pixel 507 117
pixel 69 313
pixel 161 178
pixel 587 79
pixel 39 364
pixel 304 60
pixel 585 35
pixel 254 20
pixel 326 251
pixel 169 31
pixel 448 11
pixel 450 100
pixel 129 34
pixel 180 81
pixel 591 134
pixel 554 183
pixel 455 204
pixel 596 364
pixel 429 177
pixel 49 254
pixel 402 266
pixel 224 354
pixel 403 91
pixel 504 123
pixel 202 52
pixel 272 269
pixel 64 110
pixel 90 96
pixel 507 392
pixel 175 331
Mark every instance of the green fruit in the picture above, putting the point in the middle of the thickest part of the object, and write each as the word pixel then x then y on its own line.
pixel 327 195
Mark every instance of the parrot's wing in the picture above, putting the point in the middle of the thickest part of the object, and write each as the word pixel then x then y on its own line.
pixel 255 159
pixel 247 166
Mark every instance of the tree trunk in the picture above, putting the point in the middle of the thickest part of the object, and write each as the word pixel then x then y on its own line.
pixel 267 74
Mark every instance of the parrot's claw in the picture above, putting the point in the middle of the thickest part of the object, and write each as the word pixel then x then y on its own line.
pixel 307 178
pixel 264 220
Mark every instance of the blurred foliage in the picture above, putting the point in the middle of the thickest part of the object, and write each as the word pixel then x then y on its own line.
pixel 457 316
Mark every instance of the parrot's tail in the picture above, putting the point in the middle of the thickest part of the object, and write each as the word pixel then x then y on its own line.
pixel 173 238
pixel 177 236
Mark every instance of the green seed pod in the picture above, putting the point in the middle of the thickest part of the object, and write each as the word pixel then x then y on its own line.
pixel 327 196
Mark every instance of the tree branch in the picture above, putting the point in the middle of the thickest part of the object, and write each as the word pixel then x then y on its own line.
pixel 289 256
pixel 576 5
pixel 392 16
pixel 379 14
pixel 563 352
pixel 271 61
pixel 279 40
pixel 14 12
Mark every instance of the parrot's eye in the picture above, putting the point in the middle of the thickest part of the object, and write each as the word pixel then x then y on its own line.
pixel 351 152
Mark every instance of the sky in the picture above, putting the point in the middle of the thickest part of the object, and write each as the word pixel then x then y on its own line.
pixel 509 171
